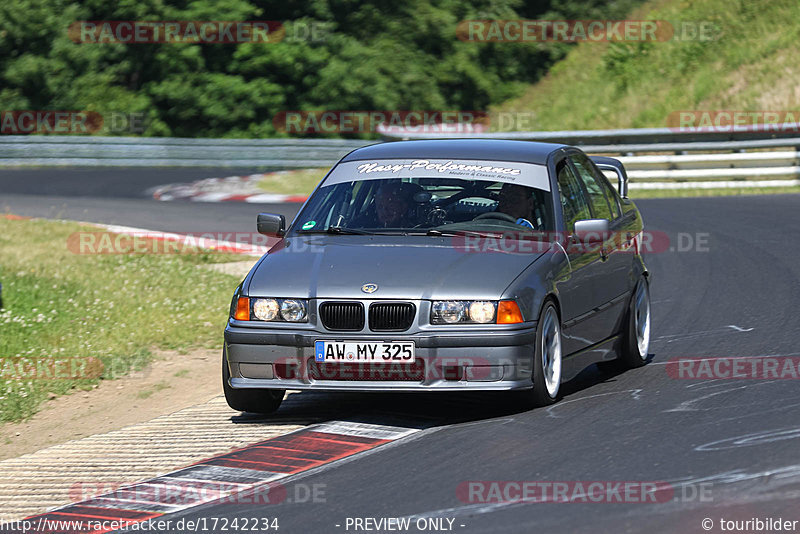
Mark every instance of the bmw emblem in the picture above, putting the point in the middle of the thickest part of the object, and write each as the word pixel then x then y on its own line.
pixel 369 288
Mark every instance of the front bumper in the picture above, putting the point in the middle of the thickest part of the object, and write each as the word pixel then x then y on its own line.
pixel 468 359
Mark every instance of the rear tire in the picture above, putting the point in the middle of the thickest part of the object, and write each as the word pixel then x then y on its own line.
pixel 547 360
pixel 636 335
pixel 263 401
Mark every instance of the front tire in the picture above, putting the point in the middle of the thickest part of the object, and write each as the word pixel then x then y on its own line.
pixel 263 401
pixel 636 336
pixel 547 360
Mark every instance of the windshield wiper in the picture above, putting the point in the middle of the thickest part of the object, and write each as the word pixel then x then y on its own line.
pixel 338 230
pixel 439 233
pixel 344 230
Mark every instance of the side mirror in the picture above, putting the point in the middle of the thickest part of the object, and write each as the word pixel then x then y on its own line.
pixel 590 231
pixel 271 224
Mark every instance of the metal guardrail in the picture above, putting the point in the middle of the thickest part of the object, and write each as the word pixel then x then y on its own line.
pixel 668 158
pixel 50 150
pixel 650 154
pixel 621 139
pixel 720 166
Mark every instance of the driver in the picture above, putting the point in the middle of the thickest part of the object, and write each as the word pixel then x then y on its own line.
pixel 517 201
pixel 393 202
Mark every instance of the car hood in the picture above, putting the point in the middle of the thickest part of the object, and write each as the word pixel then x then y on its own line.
pixel 403 267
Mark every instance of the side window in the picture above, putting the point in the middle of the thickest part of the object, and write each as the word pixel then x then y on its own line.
pixel 611 193
pixel 573 200
pixel 604 203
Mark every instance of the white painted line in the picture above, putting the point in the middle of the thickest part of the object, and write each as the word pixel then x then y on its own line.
pixel 365 430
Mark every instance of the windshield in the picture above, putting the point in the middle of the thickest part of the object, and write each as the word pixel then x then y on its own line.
pixel 396 198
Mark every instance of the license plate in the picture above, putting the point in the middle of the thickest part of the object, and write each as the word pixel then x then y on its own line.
pixel 369 352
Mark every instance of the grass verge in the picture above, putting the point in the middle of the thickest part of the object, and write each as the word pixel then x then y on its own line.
pixel 749 65
pixel 69 320
pixel 296 182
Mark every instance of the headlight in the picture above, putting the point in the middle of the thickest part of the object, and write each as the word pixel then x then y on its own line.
pixel 270 309
pixel 482 311
pixel 448 312
pixel 475 312
pixel 265 309
pixel 293 310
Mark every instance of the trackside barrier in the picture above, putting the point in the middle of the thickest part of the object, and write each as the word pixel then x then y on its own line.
pixel 665 158
pixel 654 157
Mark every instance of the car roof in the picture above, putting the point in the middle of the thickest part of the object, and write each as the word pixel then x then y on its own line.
pixel 470 149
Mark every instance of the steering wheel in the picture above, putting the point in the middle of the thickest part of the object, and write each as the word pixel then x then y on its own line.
pixel 496 215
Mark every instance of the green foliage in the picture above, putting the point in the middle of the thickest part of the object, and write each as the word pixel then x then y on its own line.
pixel 60 307
pixel 372 55
pixel 746 61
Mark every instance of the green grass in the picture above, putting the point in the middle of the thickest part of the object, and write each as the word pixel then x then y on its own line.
pixel 108 310
pixel 297 182
pixel 751 65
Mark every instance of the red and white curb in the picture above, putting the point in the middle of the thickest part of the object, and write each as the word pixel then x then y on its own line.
pixel 228 189
pixel 250 474
pixel 255 198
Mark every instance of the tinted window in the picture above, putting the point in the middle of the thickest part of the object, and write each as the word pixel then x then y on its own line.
pixel 573 199
pixel 597 187
pixel 611 194
pixel 404 205
pixel 610 190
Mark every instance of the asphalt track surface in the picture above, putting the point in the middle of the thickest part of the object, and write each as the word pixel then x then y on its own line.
pixel 734 441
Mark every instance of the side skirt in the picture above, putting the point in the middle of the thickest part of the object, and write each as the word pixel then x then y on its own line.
pixel 575 363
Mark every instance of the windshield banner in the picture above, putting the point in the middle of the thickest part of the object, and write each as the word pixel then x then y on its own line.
pixel 526 174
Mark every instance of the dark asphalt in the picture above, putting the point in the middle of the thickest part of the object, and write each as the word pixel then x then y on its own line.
pixel 104 182
pixel 142 213
pixel 737 440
